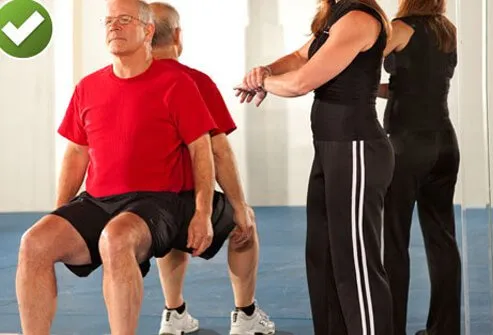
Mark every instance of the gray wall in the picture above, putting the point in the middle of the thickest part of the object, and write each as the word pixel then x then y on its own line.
pixel 27 142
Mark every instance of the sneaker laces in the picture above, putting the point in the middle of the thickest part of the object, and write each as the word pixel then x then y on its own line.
pixel 260 311
pixel 263 314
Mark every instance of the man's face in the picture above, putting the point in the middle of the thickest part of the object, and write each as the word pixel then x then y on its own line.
pixel 125 32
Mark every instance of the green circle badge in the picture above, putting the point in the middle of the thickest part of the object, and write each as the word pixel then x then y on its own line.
pixel 25 28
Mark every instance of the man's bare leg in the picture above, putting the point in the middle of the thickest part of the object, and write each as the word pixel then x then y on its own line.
pixel 124 243
pixel 52 239
pixel 243 265
pixel 172 269
pixel 247 318
pixel 175 318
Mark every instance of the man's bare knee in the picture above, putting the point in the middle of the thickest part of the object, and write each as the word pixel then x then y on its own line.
pixel 242 247
pixel 125 234
pixel 53 239
pixel 247 245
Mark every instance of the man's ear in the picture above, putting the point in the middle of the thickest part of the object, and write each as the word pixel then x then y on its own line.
pixel 177 35
pixel 150 29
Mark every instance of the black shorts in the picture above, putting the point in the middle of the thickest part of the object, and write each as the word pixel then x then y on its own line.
pixel 222 223
pixel 167 215
pixel 162 211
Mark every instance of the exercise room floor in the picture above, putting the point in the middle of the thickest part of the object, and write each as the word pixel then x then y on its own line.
pixel 281 291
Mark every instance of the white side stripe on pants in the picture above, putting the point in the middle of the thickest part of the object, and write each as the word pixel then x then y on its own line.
pixel 357 236
pixel 354 239
pixel 362 241
pixel 382 239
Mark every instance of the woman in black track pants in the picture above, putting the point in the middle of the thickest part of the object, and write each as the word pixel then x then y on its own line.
pixel 421 60
pixel 352 166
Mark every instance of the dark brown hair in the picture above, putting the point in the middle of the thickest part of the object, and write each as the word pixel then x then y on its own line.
pixel 324 8
pixel 444 30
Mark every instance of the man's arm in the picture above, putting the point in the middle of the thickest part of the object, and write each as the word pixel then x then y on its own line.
pixel 224 161
pixel 203 173
pixel 76 157
pixel 227 174
pixel 228 178
pixel 200 235
pixel 194 124
pixel 225 165
pixel 73 170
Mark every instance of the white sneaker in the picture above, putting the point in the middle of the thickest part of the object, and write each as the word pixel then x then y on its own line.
pixel 257 323
pixel 173 323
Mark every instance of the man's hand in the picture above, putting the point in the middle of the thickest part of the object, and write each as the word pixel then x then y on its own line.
pixel 245 220
pixel 200 233
pixel 248 95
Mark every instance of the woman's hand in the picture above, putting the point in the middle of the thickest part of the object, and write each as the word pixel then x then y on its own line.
pixel 255 78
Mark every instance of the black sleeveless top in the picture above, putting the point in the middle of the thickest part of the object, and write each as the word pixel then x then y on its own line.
pixel 344 107
pixel 419 82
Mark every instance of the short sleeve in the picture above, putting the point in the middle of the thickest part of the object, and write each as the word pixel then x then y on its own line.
pixel 188 110
pixel 216 105
pixel 72 126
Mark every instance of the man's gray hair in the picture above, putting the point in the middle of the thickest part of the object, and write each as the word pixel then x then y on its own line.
pixel 145 12
pixel 166 20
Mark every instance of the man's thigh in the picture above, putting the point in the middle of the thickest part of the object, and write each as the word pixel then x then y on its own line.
pixel 161 212
pixel 89 220
pixel 222 223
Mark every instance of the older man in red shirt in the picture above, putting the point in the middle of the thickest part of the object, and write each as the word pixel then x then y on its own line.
pixel 127 125
pixel 243 248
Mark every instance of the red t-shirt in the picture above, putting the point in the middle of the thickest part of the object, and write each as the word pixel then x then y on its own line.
pixel 217 108
pixel 136 128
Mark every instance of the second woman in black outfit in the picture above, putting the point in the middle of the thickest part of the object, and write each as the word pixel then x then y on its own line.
pixel 422 57
pixel 352 167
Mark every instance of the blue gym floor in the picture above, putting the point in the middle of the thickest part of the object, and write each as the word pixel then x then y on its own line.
pixel 281 292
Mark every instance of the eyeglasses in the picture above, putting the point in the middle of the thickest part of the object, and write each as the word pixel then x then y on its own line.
pixel 122 19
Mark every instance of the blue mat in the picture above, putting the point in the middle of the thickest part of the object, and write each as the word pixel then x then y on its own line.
pixel 282 291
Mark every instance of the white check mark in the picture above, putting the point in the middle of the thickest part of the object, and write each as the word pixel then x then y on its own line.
pixel 19 35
